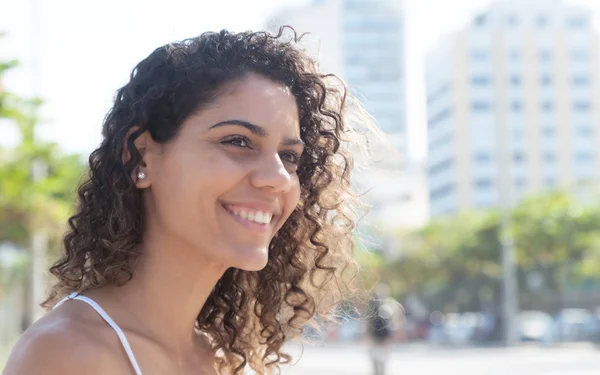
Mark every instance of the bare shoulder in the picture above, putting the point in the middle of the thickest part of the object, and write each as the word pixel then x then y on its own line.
pixel 58 344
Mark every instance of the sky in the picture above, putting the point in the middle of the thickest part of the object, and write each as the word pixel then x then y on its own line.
pixel 85 51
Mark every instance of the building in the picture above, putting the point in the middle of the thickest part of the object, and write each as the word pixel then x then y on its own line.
pixel 363 42
pixel 518 87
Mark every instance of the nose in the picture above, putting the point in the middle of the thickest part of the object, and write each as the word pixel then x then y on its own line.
pixel 270 173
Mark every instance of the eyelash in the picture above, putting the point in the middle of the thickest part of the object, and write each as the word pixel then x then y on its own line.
pixel 295 157
pixel 234 141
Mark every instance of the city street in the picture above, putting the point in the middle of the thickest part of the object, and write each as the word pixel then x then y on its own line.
pixel 353 360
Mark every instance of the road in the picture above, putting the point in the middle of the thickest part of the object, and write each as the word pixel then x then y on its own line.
pixel 354 360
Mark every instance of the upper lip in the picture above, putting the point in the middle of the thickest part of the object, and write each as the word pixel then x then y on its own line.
pixel 257 206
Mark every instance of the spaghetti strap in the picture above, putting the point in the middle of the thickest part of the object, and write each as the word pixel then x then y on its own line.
pixel 110 322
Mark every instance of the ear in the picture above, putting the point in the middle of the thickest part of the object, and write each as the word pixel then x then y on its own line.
pixel 144 143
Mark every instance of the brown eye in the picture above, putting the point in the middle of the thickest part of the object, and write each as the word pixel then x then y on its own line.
pixel 290 157
pixel 240 142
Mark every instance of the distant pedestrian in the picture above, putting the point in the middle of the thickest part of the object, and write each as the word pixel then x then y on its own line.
pixel 380 328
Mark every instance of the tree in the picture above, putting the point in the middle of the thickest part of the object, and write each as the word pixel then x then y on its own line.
pixel 451 260
pixel 457 260
pixel 554 231
pixel 29 204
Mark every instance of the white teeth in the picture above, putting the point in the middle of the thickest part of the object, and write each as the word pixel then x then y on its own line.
pixel 261 217
pixel 267 217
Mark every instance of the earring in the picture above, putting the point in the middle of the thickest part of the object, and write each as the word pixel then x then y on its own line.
pixel 141 175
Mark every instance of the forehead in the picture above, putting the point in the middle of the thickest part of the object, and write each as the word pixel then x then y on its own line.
pixel 258 100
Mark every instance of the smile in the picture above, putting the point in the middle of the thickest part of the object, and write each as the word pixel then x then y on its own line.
pixel 250 218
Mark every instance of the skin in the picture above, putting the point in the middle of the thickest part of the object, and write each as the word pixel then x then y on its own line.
pixel 191 239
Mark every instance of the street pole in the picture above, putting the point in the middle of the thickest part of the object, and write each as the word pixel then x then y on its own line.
pixel 509 281
pixel 39 171
pixel 39 242
pixel 510 288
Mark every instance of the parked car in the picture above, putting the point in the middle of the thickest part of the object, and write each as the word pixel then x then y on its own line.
pixel 535 325
pixel 575 325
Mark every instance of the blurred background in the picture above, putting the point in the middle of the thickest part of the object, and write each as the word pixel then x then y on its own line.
pixel 485 227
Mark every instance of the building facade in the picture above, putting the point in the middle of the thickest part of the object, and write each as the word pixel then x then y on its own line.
pixel 363 42
pixel 520 84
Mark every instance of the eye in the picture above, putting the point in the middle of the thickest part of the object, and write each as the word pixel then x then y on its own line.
pixel 290 157
pixel 237 141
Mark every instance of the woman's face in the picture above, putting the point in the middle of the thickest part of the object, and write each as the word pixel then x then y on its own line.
pixel 227 182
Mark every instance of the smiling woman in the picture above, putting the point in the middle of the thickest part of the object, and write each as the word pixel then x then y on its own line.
pixel 216 221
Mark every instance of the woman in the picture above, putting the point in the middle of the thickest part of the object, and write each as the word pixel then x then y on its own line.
pixel 216 221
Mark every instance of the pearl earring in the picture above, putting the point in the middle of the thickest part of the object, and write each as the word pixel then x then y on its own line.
pixel 141 175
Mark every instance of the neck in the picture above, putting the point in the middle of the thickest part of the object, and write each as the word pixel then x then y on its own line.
pixel 169 286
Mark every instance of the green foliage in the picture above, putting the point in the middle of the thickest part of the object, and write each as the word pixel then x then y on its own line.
pixel 458 260
pixel 28 203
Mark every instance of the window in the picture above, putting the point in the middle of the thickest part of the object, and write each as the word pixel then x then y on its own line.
pixel 515 80
pixel 441 191
pixel 550 181
pixel 355 5
pixel 517 106
pixel 479 55
pixel 548 106
pixel 581 181
pixel 515 54
pixel 577 22
pixel 483 157
pixel 480 81
pixel 438 93
pixel 440 167
pixel 542 21
pixel 520 182
pixel 585 132
pixel 518 133
pixel 546 80
pixel 545 55
pixel 481 106
pixel 512 20
pixel 480 20
pixel 581 80
pixel 582 106
pixel 579 55
pixel 584 157
pixel 483 183
pixel 353 60
pixel 548 131
pixel 383 76
pixel 549 157
pixel 519 157
pixel 439 117
pixel 435 144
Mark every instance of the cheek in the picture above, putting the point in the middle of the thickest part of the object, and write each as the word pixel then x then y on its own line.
pixel 189 188
pixel 291 200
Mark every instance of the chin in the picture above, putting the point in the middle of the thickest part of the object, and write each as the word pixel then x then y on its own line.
pixel 251 259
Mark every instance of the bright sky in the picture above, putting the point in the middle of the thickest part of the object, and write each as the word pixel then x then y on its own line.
pixel 88 48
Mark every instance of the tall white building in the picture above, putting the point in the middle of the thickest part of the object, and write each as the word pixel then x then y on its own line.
pixel 526 72
pixel 363 42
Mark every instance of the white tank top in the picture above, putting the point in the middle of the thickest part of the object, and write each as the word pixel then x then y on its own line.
pixel 110 322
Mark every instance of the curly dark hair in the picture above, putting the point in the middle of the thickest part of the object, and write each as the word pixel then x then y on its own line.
pixel 249 315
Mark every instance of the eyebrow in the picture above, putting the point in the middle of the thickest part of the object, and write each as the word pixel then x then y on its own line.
pixel 257 130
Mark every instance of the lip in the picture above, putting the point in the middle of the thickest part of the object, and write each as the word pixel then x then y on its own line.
pixel 257 206
pixel 251 225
